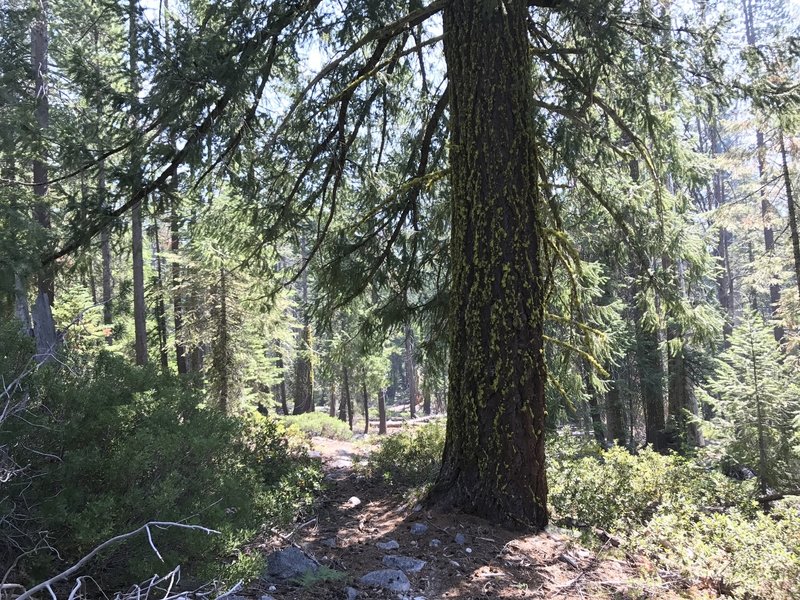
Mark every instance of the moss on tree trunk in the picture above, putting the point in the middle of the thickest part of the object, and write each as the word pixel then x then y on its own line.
pixel 493 462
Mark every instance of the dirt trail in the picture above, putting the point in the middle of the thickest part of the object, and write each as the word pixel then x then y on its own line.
pixel 484 561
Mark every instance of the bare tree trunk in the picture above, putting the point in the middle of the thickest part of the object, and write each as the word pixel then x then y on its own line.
pixel 139 308
pixel 221 358
pixel 44 327
pixel 615 411
pixel 787 182
pixel 381 411
pixel 346 398
pixel 332 400
pixel 411 371
pixel 366 406
pixel 160 308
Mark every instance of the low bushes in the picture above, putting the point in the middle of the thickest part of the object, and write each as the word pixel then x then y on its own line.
pixel 411 457
pixel 116 446
pixel 319 424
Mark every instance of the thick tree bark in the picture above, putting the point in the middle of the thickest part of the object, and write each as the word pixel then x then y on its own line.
pixel 381 411
pixel 493 463
pixel 411 371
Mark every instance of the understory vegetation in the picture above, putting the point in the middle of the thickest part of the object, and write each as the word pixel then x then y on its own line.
pixel 681 512
pixel 107 447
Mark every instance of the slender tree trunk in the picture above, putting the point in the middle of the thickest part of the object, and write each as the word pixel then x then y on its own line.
pixel 303 374
pixel 44 328
pixel 411 371
pixel 366 406
pixel 787 182
pixel 139 308
pixel 381 411
pixel 598 430
pixel 304 368
pixel 105 233
pixel 426 400
pixel 343 396
pixel 221 354
pixel 332 400
pixel 761 153
pixel 651 380
pixel 724 279
pixel 493 464
pixel 347 400
pixel 762 444
pixel 282 384
pixel 177 298
pixel 160 308
pixel 615 411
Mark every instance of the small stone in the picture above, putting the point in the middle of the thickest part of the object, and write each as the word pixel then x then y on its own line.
pixel 266 597
pixel 354 501
pixel 352 593
pixel 435 543
pixel 390 545
pixel 407 564
pixel 418 528
pixel 330 542
pixel 455 564
pixel 388 579
pixel 314 454
pixel 468 550
pixel 417 508
pixel 460 539
pixel 272 588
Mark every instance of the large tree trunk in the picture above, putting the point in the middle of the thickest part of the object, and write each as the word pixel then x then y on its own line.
pixel 493 463
pixel 411 371
pixel 139 309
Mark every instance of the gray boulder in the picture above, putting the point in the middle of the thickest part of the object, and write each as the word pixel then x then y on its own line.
pixel 418 528
pixel 406 564
pixel 390 545
pixel 289 563
pixel 388 579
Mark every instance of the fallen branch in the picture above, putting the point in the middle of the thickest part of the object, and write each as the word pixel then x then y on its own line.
pixel 48 585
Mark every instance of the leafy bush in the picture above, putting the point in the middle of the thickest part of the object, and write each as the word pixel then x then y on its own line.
pixel 617 490
pixel 687 518
pixel 411 456
pixel 320 424
pixel 117 446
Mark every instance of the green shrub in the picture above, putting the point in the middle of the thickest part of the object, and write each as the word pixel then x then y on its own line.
pixel 411 456
pixel 319 424
pixel 617 490
pixel 117 446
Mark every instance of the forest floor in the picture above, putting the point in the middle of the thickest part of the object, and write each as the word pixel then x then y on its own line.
pixel 355 513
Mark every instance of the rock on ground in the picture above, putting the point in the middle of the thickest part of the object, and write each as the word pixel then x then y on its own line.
pixel 406 564
pixel 289 563
pixel 390 545
pixel 388 579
